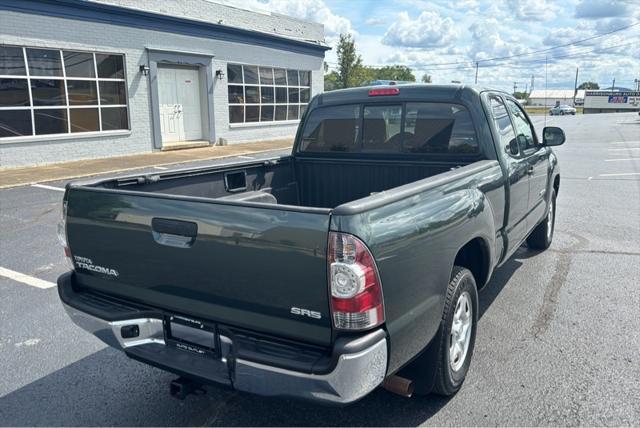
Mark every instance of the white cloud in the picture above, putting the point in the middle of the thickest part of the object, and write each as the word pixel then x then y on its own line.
pixel 309 10
pixel 316 11
pixel 595 9
pixel 375 21
pixel 428 30
pixel 534 10
pixel 487 42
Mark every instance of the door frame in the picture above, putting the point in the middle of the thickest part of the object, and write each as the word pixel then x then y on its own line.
pixel 205 68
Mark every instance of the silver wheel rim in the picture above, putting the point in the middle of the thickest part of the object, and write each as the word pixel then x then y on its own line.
pixel 460 331
pixel 550 221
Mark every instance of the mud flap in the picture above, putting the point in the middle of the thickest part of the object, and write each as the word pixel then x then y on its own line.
pixel 422 370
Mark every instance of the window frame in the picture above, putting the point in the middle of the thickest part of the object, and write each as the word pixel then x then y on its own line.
pixel 536 145
pixel 504 149
pixel 67 107
pixel 436 157
pixel 300 105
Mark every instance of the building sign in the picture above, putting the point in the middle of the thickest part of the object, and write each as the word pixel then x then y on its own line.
pixel 617 99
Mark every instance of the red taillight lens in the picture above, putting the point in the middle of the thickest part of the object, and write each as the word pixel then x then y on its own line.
pixel 62 234
pixel 383 92
pixel 354 283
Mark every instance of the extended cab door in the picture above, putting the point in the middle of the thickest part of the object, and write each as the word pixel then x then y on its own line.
pixel 517 174
pixel 537 158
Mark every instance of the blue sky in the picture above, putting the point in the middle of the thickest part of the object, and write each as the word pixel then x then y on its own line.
pixel 423 34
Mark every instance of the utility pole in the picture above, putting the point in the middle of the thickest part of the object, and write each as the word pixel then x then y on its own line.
pixel 515 86
pixel 575 88
pixel 613 85
pixel 476 72
pixel 531 87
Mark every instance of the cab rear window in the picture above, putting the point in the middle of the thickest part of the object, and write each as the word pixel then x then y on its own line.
pixel 403 128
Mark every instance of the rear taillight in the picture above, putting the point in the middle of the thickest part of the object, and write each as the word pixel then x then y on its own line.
pixel 62 233
pixel 354 283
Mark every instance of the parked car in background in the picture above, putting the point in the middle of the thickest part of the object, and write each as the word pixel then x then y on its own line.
pixel 562 110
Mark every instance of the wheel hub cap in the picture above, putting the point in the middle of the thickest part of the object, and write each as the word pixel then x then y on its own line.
pixel 550 221
pixel 460 331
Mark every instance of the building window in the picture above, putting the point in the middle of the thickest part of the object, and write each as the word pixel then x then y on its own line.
pixel 52 91
pixel 266 94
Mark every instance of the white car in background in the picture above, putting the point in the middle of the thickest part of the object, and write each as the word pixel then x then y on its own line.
pixel 562 110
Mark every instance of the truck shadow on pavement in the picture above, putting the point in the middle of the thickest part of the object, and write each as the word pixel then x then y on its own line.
pixel 107 388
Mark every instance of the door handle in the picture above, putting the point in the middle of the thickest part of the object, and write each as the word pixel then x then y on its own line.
pixel 530 170
pixel 175 233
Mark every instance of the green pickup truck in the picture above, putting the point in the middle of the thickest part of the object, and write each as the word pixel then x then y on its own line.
pixel 352 263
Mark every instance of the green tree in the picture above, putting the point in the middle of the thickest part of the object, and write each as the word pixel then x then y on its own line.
pixel 589 85
pixel 331 81
pixel 521 95
pixel 395 72
pixel 426 78
pixel 349 62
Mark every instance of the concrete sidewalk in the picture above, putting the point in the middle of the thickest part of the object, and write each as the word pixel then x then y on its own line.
pixel 13 177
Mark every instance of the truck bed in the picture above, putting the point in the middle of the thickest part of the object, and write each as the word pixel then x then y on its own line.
pixel 300 182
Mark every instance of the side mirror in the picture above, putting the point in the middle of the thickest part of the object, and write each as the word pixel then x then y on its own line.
pixel 512 147
pixel 552 136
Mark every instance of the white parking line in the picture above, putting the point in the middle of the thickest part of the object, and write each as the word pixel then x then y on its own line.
pixel 160 167
pixel 245 157
pixel 616 160
pixel 626 148
pixel 625 142
pixel 26 279
pixel 620 175
pixel 44 186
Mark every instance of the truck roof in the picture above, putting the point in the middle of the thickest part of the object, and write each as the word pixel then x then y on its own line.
pixel 416 91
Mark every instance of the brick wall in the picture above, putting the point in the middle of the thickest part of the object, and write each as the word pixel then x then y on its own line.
pixel 42 31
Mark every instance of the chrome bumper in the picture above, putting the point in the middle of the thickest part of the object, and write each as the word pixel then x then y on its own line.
pixel 354 376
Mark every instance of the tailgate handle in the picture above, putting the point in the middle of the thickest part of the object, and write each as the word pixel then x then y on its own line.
pixel 176 233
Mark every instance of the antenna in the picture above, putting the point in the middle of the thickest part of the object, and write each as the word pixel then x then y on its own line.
pixel 545 90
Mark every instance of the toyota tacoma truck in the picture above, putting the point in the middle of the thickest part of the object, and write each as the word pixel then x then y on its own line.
pixel 353 262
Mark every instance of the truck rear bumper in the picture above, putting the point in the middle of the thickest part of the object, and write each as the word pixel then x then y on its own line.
pixel 360 366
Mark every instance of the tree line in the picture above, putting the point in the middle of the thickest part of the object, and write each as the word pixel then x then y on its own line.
pixel 351 72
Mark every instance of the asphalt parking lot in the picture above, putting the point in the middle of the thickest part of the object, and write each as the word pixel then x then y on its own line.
pixel 558 341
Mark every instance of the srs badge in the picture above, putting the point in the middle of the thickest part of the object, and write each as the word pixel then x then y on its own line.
pixel 87 264
pixel 306 313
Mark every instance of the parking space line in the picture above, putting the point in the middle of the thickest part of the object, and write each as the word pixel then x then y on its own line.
pixel 619 175
pixel 625 142
pixel 26 279
pixel 616 160
pixel 245 157
pixel 44 186
pixel 626 148
pixel 160 167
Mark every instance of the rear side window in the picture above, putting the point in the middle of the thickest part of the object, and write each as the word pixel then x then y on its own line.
pixel 411 128
pixel 332 129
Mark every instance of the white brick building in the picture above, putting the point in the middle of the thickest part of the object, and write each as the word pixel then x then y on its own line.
pixel 88 79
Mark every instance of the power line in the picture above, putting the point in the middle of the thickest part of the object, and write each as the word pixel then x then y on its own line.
pixel 535 52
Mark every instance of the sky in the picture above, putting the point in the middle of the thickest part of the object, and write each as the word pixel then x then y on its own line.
pixel 430 35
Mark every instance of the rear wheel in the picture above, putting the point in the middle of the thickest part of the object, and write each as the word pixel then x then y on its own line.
pixel 542 235
pixel 459 321
pixel 561 113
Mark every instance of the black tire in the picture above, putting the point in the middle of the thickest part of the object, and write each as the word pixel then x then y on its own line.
pixel 541 237
pixel 561 113
pixel 447 380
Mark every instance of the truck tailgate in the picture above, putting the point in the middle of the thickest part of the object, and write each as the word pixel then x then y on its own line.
pixel 244 266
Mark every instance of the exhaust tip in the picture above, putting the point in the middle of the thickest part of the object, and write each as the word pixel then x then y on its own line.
pixel 399 385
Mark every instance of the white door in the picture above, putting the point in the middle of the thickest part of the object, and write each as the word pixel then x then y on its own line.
pixel 180 108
